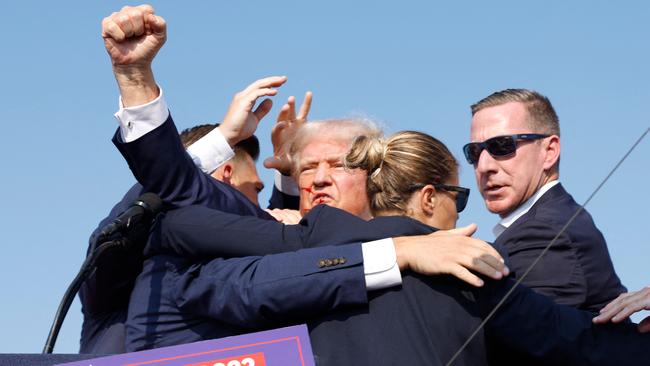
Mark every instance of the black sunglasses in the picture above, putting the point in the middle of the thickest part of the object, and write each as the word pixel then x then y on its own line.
pixel 497 146
pixel 462 193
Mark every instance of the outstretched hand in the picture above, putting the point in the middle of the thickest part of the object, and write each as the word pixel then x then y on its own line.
pixel 242 118
pixel 451 252
pixel 284 131
pixel 624 306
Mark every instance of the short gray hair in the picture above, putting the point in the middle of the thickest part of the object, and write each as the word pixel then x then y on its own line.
pixel 344 130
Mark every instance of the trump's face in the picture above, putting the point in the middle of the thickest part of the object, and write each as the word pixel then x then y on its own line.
pixel 323 179
pixel 508 181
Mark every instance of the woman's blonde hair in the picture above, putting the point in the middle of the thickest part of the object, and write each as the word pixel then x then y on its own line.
pixel 398 165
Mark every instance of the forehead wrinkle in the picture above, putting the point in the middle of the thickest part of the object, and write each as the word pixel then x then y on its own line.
pixel 316 159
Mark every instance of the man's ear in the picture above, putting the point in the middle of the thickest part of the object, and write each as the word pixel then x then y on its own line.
pixel 224 173
pixel 552 150
pixel 428 199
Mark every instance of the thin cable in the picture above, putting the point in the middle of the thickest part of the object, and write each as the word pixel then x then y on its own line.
pixel 518 282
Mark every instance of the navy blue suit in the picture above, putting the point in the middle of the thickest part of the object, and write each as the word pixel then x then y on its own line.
pixel 170 173
pixel 424 322
pixel 468 314
pixel 577 270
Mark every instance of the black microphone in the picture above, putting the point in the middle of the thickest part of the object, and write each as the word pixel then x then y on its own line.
pixel 129 230
pixel 135 221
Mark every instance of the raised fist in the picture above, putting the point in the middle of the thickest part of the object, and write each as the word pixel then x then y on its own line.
pixel 133 35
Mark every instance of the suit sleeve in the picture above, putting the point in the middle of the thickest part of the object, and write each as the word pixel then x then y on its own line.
pixel 199 232
pixel 274 289
pixel 533 325
pixel 283 200
pixel 160 163
pixel 558 274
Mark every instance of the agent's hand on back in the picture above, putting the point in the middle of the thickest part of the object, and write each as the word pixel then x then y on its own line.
pixel 624 306
pixel 452 252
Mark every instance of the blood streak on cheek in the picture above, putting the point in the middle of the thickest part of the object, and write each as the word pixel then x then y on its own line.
pixel 308 190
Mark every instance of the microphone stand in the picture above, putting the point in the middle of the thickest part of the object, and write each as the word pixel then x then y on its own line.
pixel 86 269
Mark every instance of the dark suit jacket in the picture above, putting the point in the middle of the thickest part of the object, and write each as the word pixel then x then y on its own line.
pixel 143 156
pixel 577 270
pixel 177 300
pixel 423 323
pixel 194 186
pixel 159 161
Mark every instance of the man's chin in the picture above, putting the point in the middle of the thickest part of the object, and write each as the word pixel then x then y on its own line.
pixel 499 207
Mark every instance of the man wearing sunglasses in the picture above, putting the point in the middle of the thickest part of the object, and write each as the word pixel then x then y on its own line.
pixel 515 151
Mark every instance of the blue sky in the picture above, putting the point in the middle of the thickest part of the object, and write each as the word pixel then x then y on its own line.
pixel 409 65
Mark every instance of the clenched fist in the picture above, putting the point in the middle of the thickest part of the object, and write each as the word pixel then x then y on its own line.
pixel 133 35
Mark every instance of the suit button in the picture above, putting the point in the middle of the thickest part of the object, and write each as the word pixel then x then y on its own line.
pixel 342 260
pixel 321 263
pixel 328 262
pixel 335 261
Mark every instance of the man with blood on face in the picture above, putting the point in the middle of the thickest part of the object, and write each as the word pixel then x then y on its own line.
pixel 318 152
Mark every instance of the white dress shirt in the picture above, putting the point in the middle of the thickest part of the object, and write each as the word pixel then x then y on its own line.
pixel 507 221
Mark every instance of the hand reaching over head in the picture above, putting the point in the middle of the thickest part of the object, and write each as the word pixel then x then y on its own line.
pixel 284 131
pixel 242 118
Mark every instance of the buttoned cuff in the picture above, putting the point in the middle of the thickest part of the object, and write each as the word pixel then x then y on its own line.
pixel 211 151
pixel 137 121
pixel 380 264
pixel 286 184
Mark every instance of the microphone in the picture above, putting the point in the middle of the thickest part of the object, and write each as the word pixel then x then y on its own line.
pixel 128 230
pixel 137 216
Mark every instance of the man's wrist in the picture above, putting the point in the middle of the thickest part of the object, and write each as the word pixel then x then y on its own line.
pixel 231 137
pixel 136 83
pixel 401 252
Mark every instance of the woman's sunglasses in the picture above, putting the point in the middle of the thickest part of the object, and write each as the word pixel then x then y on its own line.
pixel 462 193
pixel 497 146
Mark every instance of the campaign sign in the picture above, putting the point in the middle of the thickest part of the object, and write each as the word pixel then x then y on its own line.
pixel 278 347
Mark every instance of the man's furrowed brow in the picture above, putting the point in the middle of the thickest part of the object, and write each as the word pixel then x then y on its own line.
pixel 312 160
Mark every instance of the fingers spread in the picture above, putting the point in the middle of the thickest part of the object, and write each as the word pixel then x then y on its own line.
pixel 305 107
pixel 291 102
pixel 467 276
pixel 269 82
pixel 284 113
pixel 263 109
pixel 490 269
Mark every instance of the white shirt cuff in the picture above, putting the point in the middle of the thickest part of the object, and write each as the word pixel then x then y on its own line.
pixel 286 185
pixel 211 151
pixel 137 121
pixel 380 264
